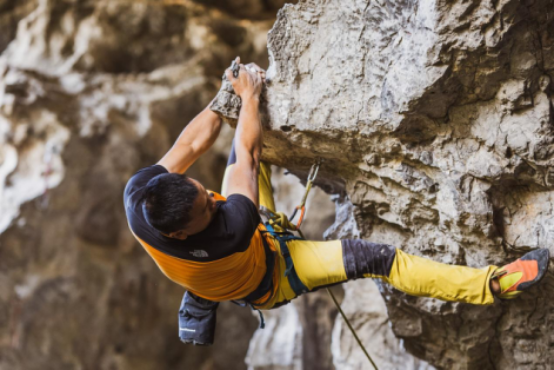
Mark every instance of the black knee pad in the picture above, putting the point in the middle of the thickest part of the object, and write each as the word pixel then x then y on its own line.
pixel 362 257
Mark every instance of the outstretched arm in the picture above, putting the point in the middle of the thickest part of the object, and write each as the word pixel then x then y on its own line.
pixel 197 137
pixel 243 178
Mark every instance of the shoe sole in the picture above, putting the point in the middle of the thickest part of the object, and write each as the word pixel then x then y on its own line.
pixel 542 256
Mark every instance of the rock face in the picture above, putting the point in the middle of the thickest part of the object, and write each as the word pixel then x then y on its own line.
pixel 435 119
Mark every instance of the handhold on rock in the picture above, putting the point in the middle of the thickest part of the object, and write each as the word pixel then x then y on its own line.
pixel 226 103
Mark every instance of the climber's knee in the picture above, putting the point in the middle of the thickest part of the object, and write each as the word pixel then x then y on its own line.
pixel 362 258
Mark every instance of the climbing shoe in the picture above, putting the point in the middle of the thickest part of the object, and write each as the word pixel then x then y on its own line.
pixel 522 273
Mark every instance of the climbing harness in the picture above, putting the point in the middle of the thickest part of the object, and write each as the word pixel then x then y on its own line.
pixel 279 226
pixel 290 273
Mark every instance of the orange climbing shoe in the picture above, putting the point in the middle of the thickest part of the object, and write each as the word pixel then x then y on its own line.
pixel 522 273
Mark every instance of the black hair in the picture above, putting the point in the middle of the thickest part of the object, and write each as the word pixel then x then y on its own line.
pixel 167 202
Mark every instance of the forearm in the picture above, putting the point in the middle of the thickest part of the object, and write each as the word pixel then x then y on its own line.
pixel 201 132
pixel 248 137
pixel 197 137
pixel 243 178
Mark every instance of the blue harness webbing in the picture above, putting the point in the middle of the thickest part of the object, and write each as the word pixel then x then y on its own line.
pixel 267 283
pixel 295 283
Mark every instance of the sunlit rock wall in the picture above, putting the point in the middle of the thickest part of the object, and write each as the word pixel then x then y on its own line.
pixel 436 120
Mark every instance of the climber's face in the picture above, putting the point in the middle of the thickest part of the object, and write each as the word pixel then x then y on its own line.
pixel 202 213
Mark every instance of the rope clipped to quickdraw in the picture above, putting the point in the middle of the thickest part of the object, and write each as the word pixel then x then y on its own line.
pixel 281 222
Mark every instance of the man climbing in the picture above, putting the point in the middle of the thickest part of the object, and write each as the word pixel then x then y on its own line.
pixel 217 248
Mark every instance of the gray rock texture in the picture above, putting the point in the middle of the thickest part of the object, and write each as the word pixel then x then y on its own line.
pixel 435 119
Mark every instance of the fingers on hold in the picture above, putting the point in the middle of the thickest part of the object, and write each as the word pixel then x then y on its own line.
pixel 229 74
pixel 243 69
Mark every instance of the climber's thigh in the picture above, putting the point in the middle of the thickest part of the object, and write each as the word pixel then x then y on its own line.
pixel 318 263
pixel 264 181
pixel 266 190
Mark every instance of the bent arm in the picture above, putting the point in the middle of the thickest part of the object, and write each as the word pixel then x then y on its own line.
pixel 195 140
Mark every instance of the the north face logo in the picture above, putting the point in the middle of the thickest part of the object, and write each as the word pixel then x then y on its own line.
pixel 198 253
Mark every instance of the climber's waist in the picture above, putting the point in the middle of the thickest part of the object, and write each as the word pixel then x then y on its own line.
pixel 264 292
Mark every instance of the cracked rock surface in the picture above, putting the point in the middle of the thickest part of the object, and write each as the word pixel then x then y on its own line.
pixel 435 119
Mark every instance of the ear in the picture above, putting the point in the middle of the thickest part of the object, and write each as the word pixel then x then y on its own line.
pixel 181 235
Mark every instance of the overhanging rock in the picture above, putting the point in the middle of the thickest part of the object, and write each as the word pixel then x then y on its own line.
pixel 436 120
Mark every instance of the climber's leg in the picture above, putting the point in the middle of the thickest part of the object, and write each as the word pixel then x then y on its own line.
pixel 264 181
pixel 320 264
pixel 265 188
pixel 423 277
pixel 416 275
pixel 316 263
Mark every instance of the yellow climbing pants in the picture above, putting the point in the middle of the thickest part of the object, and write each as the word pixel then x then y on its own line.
pixel 322 263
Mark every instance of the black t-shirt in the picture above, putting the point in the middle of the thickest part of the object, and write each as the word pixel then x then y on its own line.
pixel 231 230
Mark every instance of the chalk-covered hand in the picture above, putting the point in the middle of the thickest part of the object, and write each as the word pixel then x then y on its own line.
pixel 249 82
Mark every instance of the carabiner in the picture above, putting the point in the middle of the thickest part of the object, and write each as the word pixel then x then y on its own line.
pixel 314 170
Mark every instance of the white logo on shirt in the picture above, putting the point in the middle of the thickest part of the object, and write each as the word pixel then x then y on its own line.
pixel 198 253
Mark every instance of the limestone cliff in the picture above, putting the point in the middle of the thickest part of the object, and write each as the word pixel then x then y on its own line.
pixel 435 120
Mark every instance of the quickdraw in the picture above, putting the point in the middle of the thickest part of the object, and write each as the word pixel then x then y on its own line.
pixel 302 206
pixel 279 220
